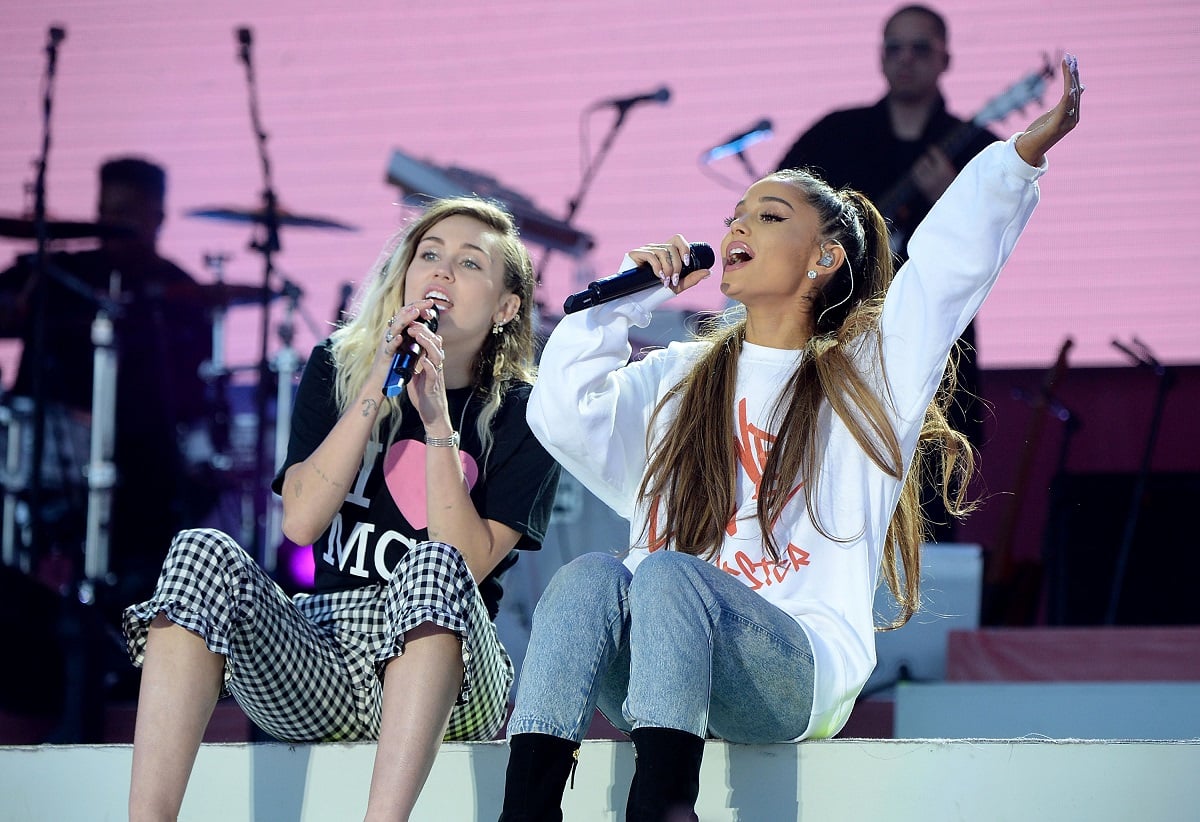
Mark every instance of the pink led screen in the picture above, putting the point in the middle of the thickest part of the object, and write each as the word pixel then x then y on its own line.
pixel 503 90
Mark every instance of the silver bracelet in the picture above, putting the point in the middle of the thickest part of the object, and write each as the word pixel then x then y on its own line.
pixel 443 442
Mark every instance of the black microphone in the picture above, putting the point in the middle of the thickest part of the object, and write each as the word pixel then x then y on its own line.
pixel 245 38
pixel 57 34
pixel 632 280
pixel 406 359
pixel 740 142
pixel 622 103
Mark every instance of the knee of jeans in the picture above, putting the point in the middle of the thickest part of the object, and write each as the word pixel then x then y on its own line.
pixel 590 578
pixel 667 577
pixel 664 569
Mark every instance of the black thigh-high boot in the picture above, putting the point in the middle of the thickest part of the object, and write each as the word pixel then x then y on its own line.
pixel 666 779
pixel 538 767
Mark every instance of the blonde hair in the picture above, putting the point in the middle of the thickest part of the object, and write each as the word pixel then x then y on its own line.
pixel 693 469
pixel 505 358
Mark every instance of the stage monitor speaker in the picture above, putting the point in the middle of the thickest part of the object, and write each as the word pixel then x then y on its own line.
pixel 1085 530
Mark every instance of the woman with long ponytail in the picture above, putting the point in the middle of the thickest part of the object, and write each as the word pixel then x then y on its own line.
pixel 768 471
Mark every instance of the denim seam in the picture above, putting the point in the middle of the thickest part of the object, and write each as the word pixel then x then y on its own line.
pixel 756 626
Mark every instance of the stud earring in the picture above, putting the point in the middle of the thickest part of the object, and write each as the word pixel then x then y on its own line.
pixel 812 275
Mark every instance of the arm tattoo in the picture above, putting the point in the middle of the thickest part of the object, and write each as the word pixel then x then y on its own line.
pixel 323 476
pixel 368 405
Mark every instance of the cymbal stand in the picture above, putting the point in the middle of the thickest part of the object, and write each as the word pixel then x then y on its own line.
pixel 215 371
pixel 286 364
pixel 102 472
pixel 1142 358
pixel 55 36
pixel 14 485
pixel 267 247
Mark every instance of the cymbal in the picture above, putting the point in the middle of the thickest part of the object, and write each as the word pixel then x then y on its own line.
pixel 217 295
pixel 258 215
pixel 24 229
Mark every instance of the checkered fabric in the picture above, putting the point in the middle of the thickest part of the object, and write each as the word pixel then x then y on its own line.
pixel 308 669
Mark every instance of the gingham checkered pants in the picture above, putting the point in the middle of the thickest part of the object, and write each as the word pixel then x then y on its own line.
pixel 308 669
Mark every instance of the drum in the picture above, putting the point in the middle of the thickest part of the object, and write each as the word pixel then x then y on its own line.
pixel 63 499
pixel 65 450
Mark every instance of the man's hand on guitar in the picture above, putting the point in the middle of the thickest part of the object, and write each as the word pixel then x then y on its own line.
pixel 933 173
pixel 1056 123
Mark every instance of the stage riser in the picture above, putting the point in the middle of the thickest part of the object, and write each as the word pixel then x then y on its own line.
pixel 1056 710
pixel 902 781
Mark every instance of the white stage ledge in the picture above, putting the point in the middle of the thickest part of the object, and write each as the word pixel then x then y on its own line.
pixel 900 780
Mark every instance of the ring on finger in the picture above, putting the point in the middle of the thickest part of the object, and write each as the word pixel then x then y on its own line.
pixel 388 337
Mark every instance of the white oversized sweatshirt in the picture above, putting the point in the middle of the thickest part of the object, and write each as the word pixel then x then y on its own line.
pixel 591 409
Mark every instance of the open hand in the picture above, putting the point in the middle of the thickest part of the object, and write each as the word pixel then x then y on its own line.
pixel 1056 123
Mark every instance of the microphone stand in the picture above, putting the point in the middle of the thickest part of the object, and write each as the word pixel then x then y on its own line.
pixel 55 36
pixel 267 247
pixel 588 175
pixel 1166 379
pixel 754 175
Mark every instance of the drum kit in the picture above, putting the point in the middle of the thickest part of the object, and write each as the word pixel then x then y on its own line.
pixel 76 461
pixel 73 477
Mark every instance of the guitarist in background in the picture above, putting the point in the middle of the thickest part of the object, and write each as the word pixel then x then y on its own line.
pixel 903 152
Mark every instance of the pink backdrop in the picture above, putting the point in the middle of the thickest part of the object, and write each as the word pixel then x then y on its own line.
pixel 500 89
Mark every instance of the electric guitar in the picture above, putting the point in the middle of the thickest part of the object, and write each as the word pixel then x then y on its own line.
pixel 893 202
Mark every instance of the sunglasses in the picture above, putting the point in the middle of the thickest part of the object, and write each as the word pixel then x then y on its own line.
pixel 921 49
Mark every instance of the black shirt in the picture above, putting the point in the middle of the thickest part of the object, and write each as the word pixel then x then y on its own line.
pixel 385 511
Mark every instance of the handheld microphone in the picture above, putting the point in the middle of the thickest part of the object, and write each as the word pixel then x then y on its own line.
pixel 406 359
pixel 632 280
pixel 660 96
pixel 762 130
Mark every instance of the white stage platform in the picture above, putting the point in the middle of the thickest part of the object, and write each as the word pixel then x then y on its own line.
pixel 898 780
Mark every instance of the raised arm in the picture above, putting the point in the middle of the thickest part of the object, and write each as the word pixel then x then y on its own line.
pixel 957 252
pixel 1058 122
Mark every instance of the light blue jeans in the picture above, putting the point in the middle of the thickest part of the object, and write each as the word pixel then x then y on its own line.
pixel 680 644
